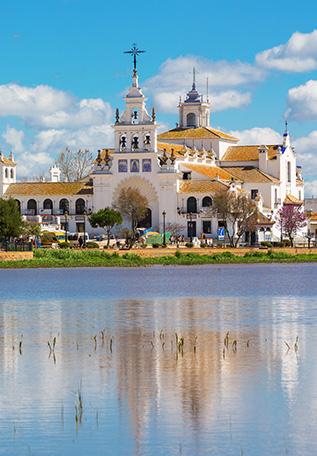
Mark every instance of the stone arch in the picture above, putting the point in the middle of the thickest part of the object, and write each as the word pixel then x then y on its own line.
pixel 147 189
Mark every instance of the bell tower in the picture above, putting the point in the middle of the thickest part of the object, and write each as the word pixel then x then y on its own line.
pixel 194 112
pixel 135 129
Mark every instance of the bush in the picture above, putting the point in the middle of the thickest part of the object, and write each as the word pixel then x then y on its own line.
pixel 203 245
pixel 266 244
pixel 156 246
pixel 189 245
pixel 64 245
pixel 178 254
pixel 92 245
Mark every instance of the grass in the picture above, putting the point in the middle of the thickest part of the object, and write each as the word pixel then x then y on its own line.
pixel 97 258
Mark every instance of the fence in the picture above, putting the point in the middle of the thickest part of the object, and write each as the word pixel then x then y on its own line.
pixel 17 246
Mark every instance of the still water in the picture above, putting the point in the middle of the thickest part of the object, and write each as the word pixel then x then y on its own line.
pixel 142 364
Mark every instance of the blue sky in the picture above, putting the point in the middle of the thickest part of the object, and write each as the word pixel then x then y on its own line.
pixel 63 70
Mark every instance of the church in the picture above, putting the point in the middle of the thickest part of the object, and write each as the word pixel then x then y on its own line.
pixel 179 171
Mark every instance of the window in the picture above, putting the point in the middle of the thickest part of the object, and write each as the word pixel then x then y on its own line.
pixel 48 205
pixel 123 142
pixel 134 166
pixel 80 227
pixel 32 207
pixel 147 140
pixel 275 196
pixel 254 193
pixel 191 120
pixel 135 142
pixel 207 226
pixel 146 165
pixel 192 205
pixel 64 206
pixel 6 173
pixel 289 171
pixel 80 206
pixel 12 173
pixel 207 201
pixel 299 195
pixel 122 166
pixel 187 175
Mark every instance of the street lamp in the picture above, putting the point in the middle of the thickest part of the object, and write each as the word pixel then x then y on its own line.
pixel 66 226
pixel 191 226
pixel 164 235
pixel 85 213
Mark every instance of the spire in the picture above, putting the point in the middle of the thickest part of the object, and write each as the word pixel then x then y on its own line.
pixel 286 137
pixel 194 79
pixel 134 51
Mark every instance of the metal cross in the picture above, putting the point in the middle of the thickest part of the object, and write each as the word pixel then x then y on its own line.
pixel 135 52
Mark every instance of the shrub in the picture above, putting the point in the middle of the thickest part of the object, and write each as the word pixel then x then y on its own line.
pixel 266 244
pixel 64 245
pixel 92 245
pixel 203 245
pixel 178 254
pixel 156 246
pixel 189 245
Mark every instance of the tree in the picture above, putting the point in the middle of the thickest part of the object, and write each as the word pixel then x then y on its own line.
pixel 30 229
pixel 132 205
pixel 238 212
pixel 10 219
pixel 176 230
pixel 106 218
pixel 291 219
pixel 75 165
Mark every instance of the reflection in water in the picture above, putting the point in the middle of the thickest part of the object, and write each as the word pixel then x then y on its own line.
pixel 156 377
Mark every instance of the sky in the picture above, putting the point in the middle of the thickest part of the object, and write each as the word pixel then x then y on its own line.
pixel 63 71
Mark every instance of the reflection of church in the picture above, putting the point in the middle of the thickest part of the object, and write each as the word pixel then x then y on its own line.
pixel 178 171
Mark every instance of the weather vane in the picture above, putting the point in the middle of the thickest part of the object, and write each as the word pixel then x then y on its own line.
pixel 135 52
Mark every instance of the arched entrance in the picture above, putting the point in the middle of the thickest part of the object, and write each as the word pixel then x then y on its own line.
pixel 146 222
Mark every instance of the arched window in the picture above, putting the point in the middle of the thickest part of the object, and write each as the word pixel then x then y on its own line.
pixel 64 206
pixel 80 206
pixel 48 205
pixel 123 142
pixel 207 201
pixel 18 204
pixel 192 205
pixel 191 120
pixel 12 173
pixel 6 173
pixel 135 142
pixel 32 207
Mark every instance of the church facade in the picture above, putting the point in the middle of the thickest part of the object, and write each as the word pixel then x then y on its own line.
pixel 178 171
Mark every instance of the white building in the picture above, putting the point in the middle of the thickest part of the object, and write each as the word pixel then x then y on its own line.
pixel 178 171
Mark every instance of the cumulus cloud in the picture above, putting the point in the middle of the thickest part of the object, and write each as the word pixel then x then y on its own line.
pixel 306 149
pixel 47 107
pixel 302 102
pixel 311 188
pixel 54 119
pixel 299 54
pixel 257 135
pixel 174 79
pixel 14 138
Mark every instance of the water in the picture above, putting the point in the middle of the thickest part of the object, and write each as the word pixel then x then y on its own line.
pixel 141 395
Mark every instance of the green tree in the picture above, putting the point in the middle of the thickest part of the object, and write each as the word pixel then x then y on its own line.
pixel 106 218
pixel 10 219
pixel 132 205
pixel 30 229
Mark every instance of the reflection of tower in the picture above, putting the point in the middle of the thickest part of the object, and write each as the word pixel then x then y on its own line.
pixel 194 111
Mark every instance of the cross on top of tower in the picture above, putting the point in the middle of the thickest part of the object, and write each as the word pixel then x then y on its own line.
pixel 135 52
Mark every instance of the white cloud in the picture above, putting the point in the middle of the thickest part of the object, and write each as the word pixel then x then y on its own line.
pixel 14 138
pixel 174 79
pixel 302 102
pixel 299 54
pixel 257 135
pixel 306 149
pixel 46 107
pixel 54 119
pixel 311 188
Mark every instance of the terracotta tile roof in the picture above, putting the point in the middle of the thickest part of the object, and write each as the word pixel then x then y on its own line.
pixel 179 149
pixel 197 133
pixel 250 174
pixel 49 189
pixel 299 182
pixel 262 219
pixel 6 161
pixel 247 153
pixel 291 199
pixel 210 171
pixel 312 216
pixel 201 186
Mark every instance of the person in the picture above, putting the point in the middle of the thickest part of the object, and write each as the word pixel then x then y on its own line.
pixel 80 241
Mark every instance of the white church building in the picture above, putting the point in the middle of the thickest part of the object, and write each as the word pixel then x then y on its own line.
pixel 178 171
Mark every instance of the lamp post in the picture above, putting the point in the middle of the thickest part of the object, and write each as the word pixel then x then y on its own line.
pixel 164 235
pixel 66 226
pixel 84 213
pixel 191 226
